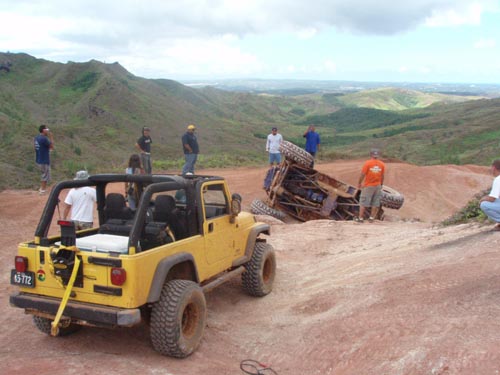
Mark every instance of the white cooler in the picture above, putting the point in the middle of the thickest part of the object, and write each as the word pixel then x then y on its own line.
pixel 102 243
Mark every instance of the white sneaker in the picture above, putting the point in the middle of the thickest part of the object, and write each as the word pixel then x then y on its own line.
pixel 41 191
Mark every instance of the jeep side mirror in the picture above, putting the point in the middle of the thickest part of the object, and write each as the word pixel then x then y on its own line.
pixel 235 206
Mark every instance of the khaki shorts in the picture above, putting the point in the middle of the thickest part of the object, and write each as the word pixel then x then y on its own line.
pixel 45 170
pixel 370 196
pixel 79 225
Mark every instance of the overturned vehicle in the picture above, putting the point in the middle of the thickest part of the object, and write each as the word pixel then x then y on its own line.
pixel 294 188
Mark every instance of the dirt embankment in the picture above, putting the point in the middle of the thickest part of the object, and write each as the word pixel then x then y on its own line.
pixel 402 296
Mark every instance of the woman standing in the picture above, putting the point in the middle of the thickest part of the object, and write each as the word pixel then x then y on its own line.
pixel 132 192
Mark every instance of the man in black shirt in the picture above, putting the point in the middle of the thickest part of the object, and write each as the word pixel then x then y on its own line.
pixel 144 146
pixel 190 148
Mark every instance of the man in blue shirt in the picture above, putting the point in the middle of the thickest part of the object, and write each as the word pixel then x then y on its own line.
pixel 43 143
pixel 191 149
pixel 312 141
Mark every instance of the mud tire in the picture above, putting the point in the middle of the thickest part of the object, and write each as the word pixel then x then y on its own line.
pixel 260 271
pixel 296 154
pixel 391 198
pixel 178 319
pixel 260 208
pixel 44 325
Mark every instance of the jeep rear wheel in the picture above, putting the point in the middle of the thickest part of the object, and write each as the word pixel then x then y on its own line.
pixel 260 271
pixel 178 319
pixel 390 198
pixel 44 325
pixel 296 154
pixel 260 208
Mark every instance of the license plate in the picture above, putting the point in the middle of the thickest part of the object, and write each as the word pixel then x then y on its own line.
pixel 22 278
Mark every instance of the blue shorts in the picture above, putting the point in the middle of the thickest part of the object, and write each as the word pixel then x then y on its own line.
pixel 274 158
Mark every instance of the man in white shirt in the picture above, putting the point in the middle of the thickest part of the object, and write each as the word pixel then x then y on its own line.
pixel 490 204
pixel 273 146
pixel 81 202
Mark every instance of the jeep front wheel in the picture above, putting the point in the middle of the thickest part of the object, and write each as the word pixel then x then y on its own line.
pixel 258 278
pixel 178 319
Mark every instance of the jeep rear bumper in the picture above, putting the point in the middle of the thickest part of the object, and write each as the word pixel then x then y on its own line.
pixel 77 311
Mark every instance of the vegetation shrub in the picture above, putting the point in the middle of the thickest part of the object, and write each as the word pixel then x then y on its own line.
pixel 470 212
pixel 85 82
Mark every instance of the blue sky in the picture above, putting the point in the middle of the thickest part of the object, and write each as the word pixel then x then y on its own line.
pixel 361 40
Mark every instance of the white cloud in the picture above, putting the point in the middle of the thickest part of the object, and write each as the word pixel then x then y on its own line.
pixel 485 43
pixel 307 33
pixel 189 37
pixel 329 66
pixel 192 57
pixel 468 14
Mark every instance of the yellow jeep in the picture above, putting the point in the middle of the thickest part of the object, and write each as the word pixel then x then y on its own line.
pixel 152 264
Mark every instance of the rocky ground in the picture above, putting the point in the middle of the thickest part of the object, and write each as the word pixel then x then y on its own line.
pixel 402 296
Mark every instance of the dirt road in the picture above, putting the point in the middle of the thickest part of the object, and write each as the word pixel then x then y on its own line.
pixel 403 296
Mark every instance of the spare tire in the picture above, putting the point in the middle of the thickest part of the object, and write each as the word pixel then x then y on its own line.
pixel 391 198
pixel 296 154
pixel 260 208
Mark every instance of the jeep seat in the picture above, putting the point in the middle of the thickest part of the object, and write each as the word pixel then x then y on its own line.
pixel 118 217
pixel 166 211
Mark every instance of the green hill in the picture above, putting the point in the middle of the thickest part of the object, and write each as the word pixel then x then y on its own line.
pixel 96 112
pixel 398 99
pixel 465 133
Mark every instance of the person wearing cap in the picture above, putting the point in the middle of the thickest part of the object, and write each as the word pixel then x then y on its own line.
pixel 273 143
pixel 80 201
pixel 143 145
pixel 313 141
pixel 190 148
pixel 371 181
pixel 43 144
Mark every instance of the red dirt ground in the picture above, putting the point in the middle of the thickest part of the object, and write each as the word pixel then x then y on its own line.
pixel 402 296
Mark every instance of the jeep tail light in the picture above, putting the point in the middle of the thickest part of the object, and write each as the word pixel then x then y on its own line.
pixel 21 263
pixel 64 223
pixel 118 276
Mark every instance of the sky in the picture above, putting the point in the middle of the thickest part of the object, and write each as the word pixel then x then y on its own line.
pixel 449 41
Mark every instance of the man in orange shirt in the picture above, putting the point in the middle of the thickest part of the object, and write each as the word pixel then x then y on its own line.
pixel 372 174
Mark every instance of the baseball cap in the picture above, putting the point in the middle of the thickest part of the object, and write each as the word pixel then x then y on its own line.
pixel 274 128
pixel 81 175
pixel 374 152
pixel 191 127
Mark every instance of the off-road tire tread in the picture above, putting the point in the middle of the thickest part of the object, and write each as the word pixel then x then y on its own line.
pixel 296 154
pixel 258 207
pixel 164 328
pixel 44 325
pixel 390 198
pixel 252 280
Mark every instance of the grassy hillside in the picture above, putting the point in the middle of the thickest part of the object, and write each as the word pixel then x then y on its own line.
pixel 465 133
pixel 96 112
pixel 398 99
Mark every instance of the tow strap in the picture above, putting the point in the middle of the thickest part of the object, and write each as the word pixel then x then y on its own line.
pixel 54 331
